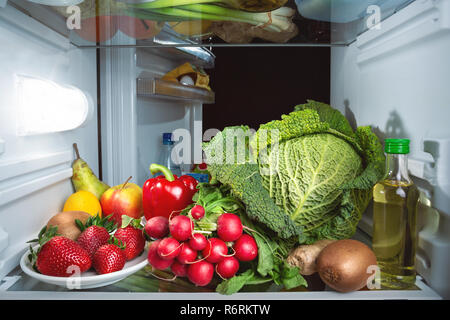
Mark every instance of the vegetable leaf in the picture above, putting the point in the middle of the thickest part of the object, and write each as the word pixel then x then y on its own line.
pixel 291 277
pixel 235 283
pixel 313 184
pixel 245 181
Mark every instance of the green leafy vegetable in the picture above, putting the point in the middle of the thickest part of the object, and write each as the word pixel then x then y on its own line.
pixel 181 10
pixel 216 200
pixel 238 170
pixel 308 175
pixel 236 283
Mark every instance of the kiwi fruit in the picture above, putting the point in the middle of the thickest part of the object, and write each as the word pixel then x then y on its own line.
pixel 65 221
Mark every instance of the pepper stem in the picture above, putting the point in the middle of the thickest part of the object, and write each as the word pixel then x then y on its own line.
pixel 154 168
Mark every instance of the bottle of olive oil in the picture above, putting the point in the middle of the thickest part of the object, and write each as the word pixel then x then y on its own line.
pixel 394 219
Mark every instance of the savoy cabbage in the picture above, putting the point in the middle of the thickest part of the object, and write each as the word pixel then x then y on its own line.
pixel 308 175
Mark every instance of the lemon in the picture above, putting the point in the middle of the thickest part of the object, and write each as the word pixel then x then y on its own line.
pixel 83 201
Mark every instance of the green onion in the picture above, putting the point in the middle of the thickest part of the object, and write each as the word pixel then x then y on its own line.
pixel 277 20
pixel 173 3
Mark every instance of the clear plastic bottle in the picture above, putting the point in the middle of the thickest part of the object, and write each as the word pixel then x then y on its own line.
pixel 394 238
pixel 166 158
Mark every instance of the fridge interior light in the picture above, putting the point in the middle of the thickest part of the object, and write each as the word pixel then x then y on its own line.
pixel 46 107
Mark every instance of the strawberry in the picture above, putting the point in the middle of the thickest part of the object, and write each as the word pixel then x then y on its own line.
pixel 95 233
pixel 93 238
pixel 133 239
pixel 131 236
pixel 108 258
pixel 58 256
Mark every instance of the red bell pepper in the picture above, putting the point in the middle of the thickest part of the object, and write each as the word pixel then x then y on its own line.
pixel 167 195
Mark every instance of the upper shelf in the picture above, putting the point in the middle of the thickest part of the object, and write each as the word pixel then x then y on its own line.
pixel 120 23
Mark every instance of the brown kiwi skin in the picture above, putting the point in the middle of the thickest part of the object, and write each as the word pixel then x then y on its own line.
pixel 65 221
pixel 343 265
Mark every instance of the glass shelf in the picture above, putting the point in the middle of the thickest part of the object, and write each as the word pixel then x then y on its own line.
pixel 116 23
pixel 144 284
pixel 172 90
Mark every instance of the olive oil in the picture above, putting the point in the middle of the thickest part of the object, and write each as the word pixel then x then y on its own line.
pixel 394 238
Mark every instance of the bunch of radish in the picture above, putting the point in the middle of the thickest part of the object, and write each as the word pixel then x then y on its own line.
pixel 189 253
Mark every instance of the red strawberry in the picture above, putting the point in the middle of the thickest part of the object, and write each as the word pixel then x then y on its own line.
pixel 93 238
pixel 133 239
pixel 95 233
pixel 59 256
pixel 108 258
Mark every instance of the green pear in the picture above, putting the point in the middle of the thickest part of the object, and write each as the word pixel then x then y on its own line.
pixel 84 179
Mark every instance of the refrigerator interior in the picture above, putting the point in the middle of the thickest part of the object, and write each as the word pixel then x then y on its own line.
pixel 384 80
pixel 393 78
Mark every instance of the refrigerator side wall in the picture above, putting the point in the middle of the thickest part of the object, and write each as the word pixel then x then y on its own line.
pixel 35 169
pixel 396 80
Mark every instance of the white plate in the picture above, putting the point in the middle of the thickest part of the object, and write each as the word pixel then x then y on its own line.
pixel 89 279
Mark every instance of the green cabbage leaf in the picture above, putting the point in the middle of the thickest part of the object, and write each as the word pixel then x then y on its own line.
pixel 307 176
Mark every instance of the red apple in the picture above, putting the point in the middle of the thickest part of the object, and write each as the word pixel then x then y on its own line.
pixel 124 199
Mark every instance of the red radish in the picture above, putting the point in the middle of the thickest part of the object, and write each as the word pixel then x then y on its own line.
pixel 179 269
pixel 215 250
pixel 198 242
pixel 197 212
pixel 168 248
pixel 155 260
pixel 245 248
pixel 228 267
pixel 229 227
pixel 156 227
pixel 187 254
pixel 181 227
pixel 200 273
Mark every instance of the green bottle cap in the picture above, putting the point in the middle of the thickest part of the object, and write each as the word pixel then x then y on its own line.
pixel 397 146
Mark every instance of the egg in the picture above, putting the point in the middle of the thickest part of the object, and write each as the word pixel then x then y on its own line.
pixel 187 80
